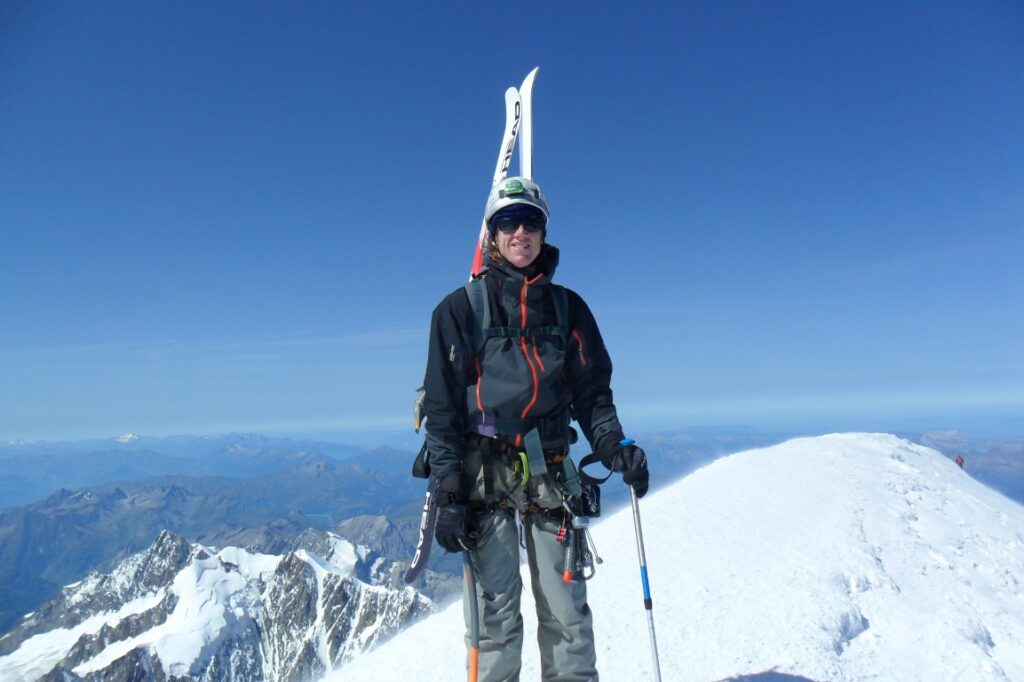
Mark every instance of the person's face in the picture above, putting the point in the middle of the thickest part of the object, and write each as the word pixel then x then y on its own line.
pixel 520 248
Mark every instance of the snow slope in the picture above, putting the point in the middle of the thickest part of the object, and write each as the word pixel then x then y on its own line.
pixel 842 557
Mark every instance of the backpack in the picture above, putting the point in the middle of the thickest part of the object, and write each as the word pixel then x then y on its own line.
pixel 479 301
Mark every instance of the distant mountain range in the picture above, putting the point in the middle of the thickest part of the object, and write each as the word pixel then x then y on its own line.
pixel 265 494
pixel 31 471
pixel 56 541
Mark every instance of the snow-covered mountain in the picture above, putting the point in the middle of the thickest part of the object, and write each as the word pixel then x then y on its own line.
pixel 843 557
pixel 190 612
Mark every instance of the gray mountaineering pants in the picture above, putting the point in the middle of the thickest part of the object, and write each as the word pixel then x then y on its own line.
pixel 565 631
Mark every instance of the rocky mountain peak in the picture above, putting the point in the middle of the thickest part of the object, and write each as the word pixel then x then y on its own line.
pixel 178 609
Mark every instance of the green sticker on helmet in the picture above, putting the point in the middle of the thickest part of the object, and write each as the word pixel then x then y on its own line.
pixel 514 187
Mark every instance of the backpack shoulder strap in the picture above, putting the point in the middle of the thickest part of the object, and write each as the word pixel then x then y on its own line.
pixel 561 298
pixel 476 289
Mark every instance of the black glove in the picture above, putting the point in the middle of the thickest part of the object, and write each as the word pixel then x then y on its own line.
pixel 456 528
pixel 631 462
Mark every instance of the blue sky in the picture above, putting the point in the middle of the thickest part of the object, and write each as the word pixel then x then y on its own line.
pixel 238 216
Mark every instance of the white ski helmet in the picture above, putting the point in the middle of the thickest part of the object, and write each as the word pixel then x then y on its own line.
pixel 515 190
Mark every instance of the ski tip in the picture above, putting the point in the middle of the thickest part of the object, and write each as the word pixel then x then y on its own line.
pixel 528 81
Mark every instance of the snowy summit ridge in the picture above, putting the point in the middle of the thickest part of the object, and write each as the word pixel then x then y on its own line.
pixel 842 557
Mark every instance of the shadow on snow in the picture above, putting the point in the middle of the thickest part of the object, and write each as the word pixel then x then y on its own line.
pixel 768 676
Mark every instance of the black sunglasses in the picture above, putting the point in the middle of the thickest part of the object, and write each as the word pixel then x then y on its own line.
pixel 510 218
pixel 509 224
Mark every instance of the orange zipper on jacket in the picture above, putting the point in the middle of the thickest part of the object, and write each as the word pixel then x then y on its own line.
pixel 522 343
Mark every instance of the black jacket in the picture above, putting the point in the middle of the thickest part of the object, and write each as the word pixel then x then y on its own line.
pixel 515 377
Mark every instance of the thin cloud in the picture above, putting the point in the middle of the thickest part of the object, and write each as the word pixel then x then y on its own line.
pixel 942 255
pixel 381 340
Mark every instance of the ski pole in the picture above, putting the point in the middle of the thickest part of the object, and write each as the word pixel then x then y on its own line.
pixel 474 617
pixel 648 603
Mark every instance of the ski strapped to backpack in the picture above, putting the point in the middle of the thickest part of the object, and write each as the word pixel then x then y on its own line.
pixel 518 115
pixel 581 495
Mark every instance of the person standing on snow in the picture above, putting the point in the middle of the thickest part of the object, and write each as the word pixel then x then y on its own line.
pixel 960 460
pixel 495 397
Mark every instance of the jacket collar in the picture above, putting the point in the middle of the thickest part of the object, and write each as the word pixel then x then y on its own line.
pixel 545 264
